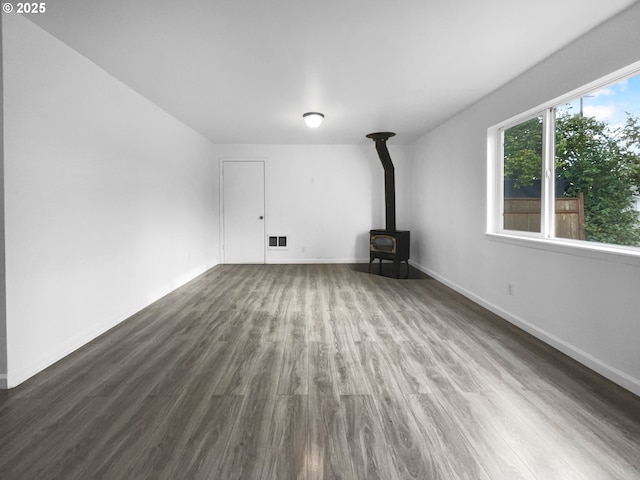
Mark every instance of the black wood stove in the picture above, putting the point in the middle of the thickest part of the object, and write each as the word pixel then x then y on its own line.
pixel 388 243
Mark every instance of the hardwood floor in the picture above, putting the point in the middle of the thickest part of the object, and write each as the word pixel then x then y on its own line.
pixel 317 372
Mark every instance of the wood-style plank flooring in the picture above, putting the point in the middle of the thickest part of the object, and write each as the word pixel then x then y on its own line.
pixel 311 372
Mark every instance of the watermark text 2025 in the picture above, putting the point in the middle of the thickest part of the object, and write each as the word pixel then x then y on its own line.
pixel 24 7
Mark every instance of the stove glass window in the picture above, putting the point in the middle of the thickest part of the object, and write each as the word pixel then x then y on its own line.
pixel 383 243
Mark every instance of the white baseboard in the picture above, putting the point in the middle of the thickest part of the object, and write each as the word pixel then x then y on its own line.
pixel 617 376
pixel 298 261
pixel 19 375
pixel 16 376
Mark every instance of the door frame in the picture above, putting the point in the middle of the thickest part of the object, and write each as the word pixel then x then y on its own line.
pixel 222 161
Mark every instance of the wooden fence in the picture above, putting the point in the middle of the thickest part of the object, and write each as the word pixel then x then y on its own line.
pixel 523 214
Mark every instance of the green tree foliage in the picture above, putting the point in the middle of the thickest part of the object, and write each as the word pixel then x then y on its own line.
pixel 591 158
pixel 523 153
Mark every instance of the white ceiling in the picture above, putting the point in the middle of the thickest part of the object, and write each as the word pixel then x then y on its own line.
pixel 244 71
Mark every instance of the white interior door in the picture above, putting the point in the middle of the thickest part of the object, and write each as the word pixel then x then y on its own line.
pixel 243 211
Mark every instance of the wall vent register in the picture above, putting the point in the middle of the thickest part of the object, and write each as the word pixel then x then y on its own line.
pixel 277 241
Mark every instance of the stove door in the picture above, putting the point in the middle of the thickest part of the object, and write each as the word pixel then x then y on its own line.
pixel 383 243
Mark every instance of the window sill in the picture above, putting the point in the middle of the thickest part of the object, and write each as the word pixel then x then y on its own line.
pixel 597 251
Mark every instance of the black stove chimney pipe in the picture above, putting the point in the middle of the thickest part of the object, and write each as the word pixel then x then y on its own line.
pixel 389 177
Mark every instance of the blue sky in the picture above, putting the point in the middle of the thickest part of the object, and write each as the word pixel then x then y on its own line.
pixel 610 103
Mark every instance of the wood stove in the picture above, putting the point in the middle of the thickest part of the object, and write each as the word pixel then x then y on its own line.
pixel 388 243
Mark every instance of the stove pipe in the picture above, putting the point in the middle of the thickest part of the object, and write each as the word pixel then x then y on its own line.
pixel 389 177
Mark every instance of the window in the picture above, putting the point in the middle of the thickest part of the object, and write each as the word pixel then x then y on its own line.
pixel 522 166
pixel 570 170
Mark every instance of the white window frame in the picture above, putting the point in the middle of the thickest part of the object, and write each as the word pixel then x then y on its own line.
pixel 545 239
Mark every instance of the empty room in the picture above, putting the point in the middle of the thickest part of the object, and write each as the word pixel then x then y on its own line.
pixel 320 240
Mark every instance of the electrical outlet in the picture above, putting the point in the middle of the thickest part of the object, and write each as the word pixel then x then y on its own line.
pixel 511 289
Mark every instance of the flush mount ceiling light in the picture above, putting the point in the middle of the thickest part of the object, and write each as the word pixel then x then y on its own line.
pixel 313 119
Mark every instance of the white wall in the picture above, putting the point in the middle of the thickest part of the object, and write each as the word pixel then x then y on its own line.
pixel 592 304
pixel 326 198
pixel 110 202
pixel 3 311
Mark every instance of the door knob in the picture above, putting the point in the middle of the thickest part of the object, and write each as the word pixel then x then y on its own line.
pixel 261 217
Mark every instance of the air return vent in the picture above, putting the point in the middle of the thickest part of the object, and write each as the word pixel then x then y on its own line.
pixel 277 242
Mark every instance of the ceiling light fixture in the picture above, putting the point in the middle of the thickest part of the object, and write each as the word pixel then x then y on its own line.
pixel 313 119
